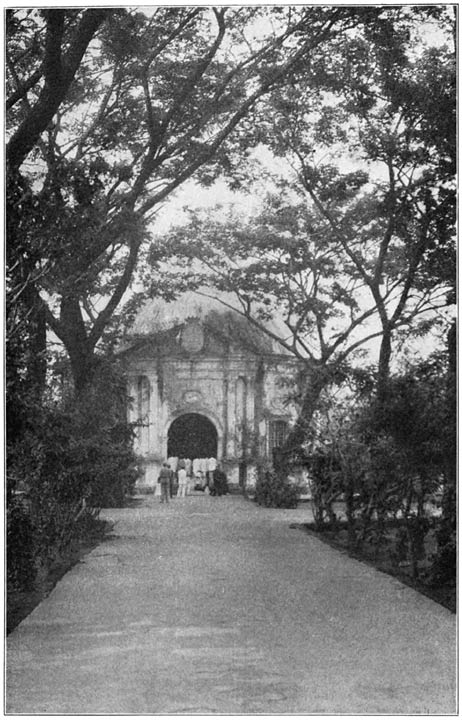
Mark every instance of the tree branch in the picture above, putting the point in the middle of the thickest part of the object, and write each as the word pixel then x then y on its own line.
pixel 251 319
pixel 59 74
pixel 106 314
pixel 357 344
pixel 23 88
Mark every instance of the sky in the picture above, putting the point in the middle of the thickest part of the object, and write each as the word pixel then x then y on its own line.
pixel 193 196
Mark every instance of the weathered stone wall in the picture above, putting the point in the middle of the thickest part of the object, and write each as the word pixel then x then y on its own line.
pixel 239 392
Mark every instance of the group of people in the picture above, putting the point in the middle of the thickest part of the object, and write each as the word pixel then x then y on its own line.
pixel 181 475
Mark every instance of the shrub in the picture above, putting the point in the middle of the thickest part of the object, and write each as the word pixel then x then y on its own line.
pixel 274 490
pixel 444 566
pixel 389 459
pixel 21 569
pixel 326 485
pixel 69 461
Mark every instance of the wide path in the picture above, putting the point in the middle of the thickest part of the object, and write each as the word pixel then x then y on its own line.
pixel 216 606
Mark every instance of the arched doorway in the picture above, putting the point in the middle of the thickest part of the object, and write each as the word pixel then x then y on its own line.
pixel 192 436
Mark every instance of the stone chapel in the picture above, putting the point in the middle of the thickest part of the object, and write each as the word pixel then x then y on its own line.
pixel 206 383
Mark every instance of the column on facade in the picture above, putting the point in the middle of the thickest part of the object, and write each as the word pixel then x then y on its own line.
pixel 154 445
pixel 132 407
pixel 231 440
pixel 152 414
pixel 250 414
pixel 144 405
pixel 224 451
pixel 259 419
pixel 241 394
pixel 225 391
pixel 165 417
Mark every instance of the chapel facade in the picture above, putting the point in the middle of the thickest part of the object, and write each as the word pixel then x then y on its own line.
pixel 205 383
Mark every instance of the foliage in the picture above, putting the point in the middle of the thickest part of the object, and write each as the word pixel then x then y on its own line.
pixel 274 490
pixel 102 440
pixel 63 468
pixel 109 111
pixel 398 211
pixel 389 465
pixel 326 486
pixel 444 566
pixel 20 564
pixel 342 251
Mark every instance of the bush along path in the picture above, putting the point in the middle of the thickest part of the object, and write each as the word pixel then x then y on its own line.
pixel 71 459
pixel 391 556
pixel 27 590
pixel 383 476
pixel 404 547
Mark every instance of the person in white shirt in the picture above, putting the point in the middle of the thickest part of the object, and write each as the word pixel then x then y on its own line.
pixel 211 467
pixel 173 462
pixel 182 482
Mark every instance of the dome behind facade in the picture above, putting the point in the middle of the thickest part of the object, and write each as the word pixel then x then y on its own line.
pixel 221 314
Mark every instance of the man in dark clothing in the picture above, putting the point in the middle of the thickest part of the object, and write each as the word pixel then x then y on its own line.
pixel 165 478
pixel 220 481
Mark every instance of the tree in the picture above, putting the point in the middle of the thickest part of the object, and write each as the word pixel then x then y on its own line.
pixel 285 264
pixel 45 52
pixel 153 100
pixel 42 60
pixel 391 476
pixel 344 247
pixel 379 105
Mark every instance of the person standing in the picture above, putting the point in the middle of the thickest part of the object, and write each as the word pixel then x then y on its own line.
pixel 182 479
pixel 173 464
pixel 220 481
pixel 211 467
pixel 165 477
pixel 211 464
pixel 195 467
pixel 188 468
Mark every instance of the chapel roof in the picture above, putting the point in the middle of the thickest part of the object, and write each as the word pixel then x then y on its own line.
pixel 219 313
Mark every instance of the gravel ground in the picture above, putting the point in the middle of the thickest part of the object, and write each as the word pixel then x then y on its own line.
pixel 217 606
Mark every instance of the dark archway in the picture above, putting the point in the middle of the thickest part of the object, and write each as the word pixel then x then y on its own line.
pixel 192 436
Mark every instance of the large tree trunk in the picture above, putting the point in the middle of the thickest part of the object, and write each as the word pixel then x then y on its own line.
pixel 59 71
pixel 25 320
pixel 80 350
pixel 37 366
pixel 383 374
pixel 318 379
pixel 83 367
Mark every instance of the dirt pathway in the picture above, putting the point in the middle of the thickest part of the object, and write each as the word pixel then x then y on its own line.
pixel 216 606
